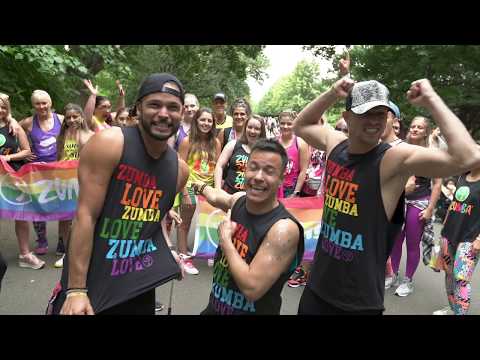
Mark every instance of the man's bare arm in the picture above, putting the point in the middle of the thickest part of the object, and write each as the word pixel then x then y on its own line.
pixel 217 197
pixel 94 175
pixel 463 153
pixel 307 125
pixel 273 258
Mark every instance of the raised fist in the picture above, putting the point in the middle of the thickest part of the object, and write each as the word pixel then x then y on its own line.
pixel 421 93
pixel 343 86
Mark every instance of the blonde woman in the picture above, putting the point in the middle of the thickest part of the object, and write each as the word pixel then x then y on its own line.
pixel 74 134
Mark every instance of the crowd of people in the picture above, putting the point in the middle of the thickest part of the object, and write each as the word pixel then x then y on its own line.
pixel 383 184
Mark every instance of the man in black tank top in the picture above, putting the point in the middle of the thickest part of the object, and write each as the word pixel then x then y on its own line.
pixel 118 252
pixel 364 190
pixel 260 242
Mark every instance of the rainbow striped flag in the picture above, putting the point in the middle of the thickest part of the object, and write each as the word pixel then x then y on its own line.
pixel 39 191
pixel 307 210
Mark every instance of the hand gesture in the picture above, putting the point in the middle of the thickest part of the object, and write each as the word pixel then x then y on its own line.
pixel 93 90
pixel 344 64
pixel 425 214
pixel 120 88
pixel 343 86
pixel 31 158
pixel 180 263
pixel 77 305
pixel 421 93
pixel 175 217
pixel 226 230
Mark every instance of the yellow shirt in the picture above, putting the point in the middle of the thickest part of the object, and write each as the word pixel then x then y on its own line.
pixel 70 150
pixel 226 124
pixel 200 168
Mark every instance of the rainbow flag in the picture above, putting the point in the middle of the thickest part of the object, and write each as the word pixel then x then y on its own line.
pixel 307 210
pixel 39 191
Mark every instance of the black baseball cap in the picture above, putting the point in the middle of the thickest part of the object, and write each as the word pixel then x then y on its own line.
pixel 156 83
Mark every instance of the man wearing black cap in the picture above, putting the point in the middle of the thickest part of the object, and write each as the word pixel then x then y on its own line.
pixel 222 120
pixel 128 179
pixel 364 190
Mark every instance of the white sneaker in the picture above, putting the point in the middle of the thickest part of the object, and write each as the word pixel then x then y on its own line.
pixel 445 311
pixel 59 263
pixel 188 265
pixel 405 288
pixel 392 281
pixel 30 261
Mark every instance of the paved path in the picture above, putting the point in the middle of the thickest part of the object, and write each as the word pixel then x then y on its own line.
pixel 26 291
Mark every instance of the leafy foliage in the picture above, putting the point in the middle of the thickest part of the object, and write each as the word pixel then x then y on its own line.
pixel 452 69
pixel 59 69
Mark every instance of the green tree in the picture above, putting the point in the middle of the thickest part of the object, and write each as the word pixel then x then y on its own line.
pixel 295 91
pixel 57 69
pixel 203 69
pixel 452 69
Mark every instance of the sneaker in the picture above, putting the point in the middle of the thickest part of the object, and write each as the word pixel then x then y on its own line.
pixel 59 263
pixel 159 306
pixel 30 261
pixel 392 281
pixel 405 288
pixel 298 278
pixel 41 248
pixel 188 265
pixel 60 248
pixel 445 311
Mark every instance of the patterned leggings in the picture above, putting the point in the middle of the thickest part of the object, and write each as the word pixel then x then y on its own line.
pixel 459 265
pixel 40 228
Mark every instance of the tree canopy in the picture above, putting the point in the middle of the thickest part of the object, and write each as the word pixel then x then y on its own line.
pixel 452 69
pixel 59 69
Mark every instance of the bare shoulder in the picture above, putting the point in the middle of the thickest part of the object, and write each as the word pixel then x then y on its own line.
pixel 285 230
pixel 26 123
pixel 283 236
pixel 108 143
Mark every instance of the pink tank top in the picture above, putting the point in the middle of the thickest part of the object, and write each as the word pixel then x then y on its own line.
pixel 293 166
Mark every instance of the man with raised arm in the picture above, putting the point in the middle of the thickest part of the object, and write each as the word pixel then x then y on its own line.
pixel 364 190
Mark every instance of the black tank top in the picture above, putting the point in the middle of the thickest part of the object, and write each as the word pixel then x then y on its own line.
pixel 235 179
pixel 423 190
pixel 225 297
pixel 10 146
pixel 348 269
pixel 463 223
pixel 130 255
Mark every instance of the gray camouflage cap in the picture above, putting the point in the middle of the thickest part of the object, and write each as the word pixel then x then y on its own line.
pixel 366 95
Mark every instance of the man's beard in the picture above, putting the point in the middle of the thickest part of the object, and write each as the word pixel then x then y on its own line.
pixel 147 126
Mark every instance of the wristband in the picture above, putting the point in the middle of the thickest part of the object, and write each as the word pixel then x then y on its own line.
pixel 76 293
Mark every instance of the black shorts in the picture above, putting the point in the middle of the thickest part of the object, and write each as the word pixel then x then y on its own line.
pixel 311 304
pixel 143 304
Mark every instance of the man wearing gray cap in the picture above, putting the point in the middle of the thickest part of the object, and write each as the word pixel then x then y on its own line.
pixel 222 120
pixel 118 252
pixel 364 190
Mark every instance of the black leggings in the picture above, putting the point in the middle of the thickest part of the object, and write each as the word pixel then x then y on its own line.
pixel 311 304
pixel 3 269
